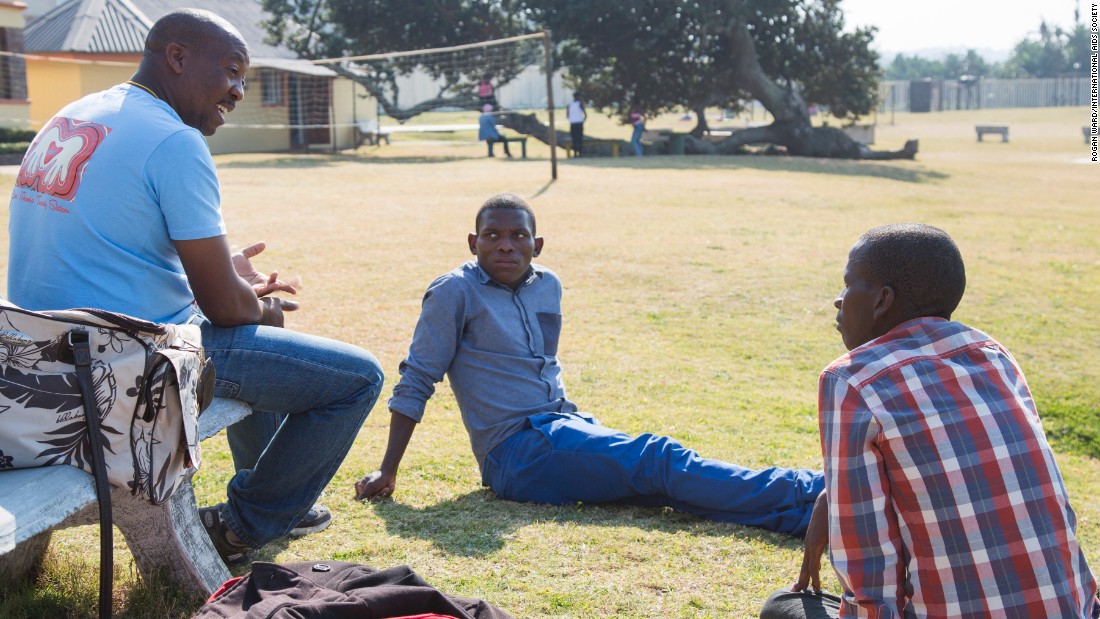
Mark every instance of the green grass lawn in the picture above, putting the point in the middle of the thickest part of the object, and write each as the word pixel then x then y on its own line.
pixel 698 303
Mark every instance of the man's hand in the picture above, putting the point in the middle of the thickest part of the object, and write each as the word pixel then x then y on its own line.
pixel 273 308
pixel 262 284
pixel 817 538
pixel 377 485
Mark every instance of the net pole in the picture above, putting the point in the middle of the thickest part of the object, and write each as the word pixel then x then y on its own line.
pixel 550 105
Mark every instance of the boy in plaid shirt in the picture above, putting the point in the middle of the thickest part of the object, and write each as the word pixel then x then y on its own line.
pixel 942 497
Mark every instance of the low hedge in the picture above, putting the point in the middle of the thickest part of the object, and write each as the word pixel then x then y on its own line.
pixel 13 134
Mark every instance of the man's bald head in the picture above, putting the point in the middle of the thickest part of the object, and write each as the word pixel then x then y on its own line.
pixel 188 27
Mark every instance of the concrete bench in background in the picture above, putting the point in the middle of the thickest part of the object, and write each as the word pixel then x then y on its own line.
pixel 1001 130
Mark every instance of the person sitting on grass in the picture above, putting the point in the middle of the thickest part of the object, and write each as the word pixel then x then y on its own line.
pixel 942 497
pixel 493 325
pixel 487 130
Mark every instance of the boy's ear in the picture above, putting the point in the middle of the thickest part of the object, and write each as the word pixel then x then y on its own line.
pixel 538 246
pixel 884 302
pixel 472 240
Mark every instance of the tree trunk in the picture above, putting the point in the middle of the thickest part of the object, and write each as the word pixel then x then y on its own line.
pixel 701 126
pixel 791 128
pixel 529 124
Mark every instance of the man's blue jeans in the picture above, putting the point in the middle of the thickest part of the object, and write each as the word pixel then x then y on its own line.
pixel 636 139
pixel 562 459
pixel 309 397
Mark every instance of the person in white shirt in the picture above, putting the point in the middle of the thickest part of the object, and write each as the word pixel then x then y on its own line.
pixel 576 124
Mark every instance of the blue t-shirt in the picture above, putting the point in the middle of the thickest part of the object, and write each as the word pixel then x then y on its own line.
pixel 487 127
pixel 104 189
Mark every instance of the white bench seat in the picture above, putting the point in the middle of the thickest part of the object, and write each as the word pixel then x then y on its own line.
pixel 34 502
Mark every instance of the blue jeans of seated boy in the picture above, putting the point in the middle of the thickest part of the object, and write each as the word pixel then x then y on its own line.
pixel 565 458
pixel 310 396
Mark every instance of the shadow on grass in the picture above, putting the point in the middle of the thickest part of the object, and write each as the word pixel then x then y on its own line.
pixel 322 161
pixel 478 523
pixel 905 171
pixel 72 593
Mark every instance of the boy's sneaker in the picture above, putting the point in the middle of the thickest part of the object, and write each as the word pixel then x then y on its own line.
pixel 232 554
pixel 316 519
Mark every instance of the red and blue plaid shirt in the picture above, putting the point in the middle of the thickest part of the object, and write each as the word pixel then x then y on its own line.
pixel 944 497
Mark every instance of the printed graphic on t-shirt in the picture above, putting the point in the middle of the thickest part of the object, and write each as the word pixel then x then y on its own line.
pixel 55 162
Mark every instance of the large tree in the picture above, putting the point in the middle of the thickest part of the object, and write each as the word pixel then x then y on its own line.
pixel 661 54
pixel 1054 53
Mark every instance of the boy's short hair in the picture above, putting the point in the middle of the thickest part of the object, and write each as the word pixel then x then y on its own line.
pixel 505 201
pixel 921 263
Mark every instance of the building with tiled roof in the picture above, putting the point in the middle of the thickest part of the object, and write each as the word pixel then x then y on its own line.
pixel 83 46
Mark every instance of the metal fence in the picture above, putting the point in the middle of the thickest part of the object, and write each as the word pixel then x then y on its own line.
pixel 943 95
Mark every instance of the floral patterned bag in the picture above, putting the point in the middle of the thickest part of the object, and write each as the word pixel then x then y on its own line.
pixel 146 383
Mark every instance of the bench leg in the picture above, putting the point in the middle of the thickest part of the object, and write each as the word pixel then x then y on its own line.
pixel 24 560
pixel 171 537
pixel 523 147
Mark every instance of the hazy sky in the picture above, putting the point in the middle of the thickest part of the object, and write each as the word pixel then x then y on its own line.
pixel 909 26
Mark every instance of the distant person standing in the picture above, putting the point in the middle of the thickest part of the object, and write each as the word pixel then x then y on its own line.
pixel 577 116
pixel 486 94
pixel 638 121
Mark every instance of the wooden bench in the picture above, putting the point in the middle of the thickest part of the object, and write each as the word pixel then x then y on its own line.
pixel 1002 130
pixel 35 502
pixel 613 145
pixel 522 144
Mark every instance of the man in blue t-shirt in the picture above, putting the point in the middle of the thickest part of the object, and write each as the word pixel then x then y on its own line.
pixel 117 205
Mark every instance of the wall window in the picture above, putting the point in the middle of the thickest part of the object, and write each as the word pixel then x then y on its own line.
pixel 272 87
pixel 13 69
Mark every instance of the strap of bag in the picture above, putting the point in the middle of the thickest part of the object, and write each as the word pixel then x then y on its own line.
pixel 82 358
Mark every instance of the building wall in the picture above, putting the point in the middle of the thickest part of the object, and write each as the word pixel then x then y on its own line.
pixel 351 104
pixel 252 127
pixel 236 139
pixel 244 130
pixel 14 114
pixel 11 15
pixel 53 84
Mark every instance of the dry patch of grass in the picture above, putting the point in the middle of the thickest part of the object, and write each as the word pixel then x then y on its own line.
pixel 698 303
